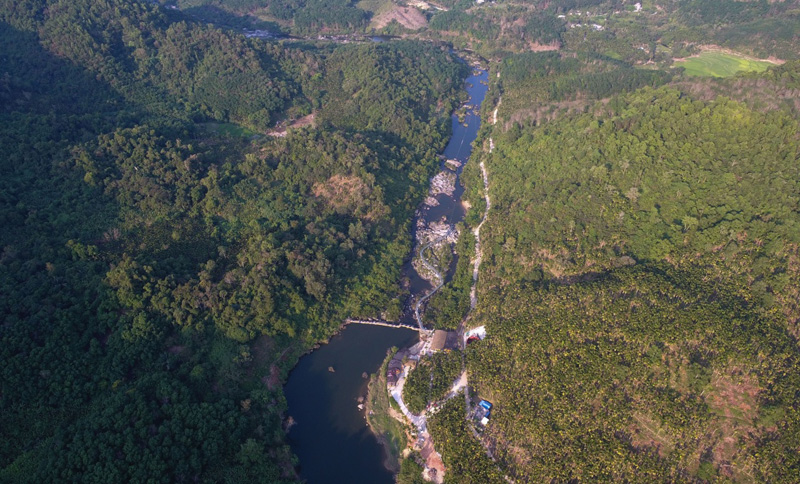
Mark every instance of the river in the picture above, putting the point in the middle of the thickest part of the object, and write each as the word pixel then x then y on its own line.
pixel 458 148
pixel 330 436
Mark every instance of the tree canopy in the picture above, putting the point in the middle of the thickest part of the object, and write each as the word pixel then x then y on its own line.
pixel 163 261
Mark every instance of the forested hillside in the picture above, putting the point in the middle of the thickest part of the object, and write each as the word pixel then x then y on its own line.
pixel 642 33
pixel 652 176
pixel 163 265
pixel 540 86
pixel 165 259
pixel 639 285
pixel 302 17
pixel 643 374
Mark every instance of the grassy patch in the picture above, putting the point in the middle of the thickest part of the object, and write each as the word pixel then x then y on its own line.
pixel 376 7
pixel 389 431
pixel 720 64
pixel 411 471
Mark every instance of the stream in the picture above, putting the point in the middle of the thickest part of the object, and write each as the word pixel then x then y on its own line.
pixel 330 436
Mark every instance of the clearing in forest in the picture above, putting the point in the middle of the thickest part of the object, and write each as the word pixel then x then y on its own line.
pixel 409 17
pixel 720 64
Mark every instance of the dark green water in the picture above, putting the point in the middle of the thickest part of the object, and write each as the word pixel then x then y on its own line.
pixel 331 436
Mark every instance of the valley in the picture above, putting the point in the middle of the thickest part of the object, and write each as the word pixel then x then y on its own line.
pixel 455 241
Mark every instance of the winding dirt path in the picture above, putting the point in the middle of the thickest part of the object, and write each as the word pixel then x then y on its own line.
pixel 473 293
pixel 475 270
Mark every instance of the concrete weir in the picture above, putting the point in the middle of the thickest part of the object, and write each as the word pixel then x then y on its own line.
pixel 378 322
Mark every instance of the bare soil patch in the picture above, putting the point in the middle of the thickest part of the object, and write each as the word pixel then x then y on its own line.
pixel 646 432
pixel 734 399
pixel 537 47
pixel 273 381
pixel 434 467
pixel 349 194
pixel 408 17
pixel 282 130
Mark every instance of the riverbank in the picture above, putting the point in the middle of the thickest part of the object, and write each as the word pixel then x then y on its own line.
pixel 434 469
pixel 435 234
pixel 383 418
pixel 437 219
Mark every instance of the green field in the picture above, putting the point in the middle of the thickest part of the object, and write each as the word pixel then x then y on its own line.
pixel 719 64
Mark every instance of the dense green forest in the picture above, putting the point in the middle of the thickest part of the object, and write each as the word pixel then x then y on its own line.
pixel 448 306
pixel 644 374
pixel 542 86
pixel 163 264
pixel 651 176
pixel 464 457
pixel 639 284
pixel 431 380
pixel 300 17
pixel 641 255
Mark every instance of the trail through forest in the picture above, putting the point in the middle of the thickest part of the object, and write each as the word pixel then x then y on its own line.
pixel 473 295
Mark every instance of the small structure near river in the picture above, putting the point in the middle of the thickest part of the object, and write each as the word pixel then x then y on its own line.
pixel 444 340
pixel 475 334
pixel 482 413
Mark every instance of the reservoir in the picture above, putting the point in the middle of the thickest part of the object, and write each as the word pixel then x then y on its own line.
pixel 331 437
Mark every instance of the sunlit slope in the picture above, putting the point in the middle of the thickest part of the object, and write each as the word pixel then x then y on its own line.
pixel 639 289
pixel 720 64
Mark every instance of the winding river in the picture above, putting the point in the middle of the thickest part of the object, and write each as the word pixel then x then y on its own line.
pixel 330 436
pixel 458 148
